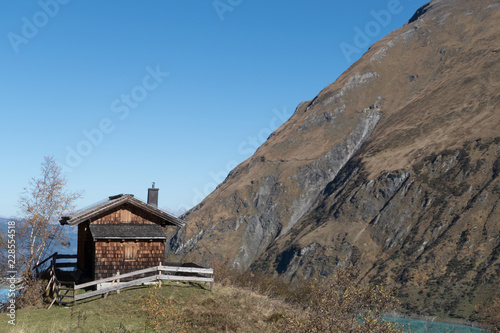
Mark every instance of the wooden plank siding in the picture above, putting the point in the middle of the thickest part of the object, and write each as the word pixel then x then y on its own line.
pixel 110 256
pixel 129 214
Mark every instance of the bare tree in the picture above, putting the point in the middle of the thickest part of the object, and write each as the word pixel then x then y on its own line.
pixel 3 253
pixel 40 206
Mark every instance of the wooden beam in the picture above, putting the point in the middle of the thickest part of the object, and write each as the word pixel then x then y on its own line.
pixel 186 269
pixel 121 286
pixel 122 276
pixel 66 256
pixel 65 264
pixel 36 266
pixel 185 278
pixel 52 302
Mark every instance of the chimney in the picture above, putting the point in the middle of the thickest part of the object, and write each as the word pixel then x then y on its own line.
pixel 153 196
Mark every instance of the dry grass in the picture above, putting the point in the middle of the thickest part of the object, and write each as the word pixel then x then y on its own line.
pixel 238 310
pixel 188 307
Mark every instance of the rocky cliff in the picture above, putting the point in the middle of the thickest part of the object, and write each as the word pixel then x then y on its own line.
pixel 394 168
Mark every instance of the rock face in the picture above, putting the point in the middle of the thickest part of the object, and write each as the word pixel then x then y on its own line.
pixel 394 168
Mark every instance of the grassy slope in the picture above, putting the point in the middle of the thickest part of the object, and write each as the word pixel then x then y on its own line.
pixel 226 308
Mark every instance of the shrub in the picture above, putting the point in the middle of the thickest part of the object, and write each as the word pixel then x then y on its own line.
pixel 490 313
pixel 32 294
pixel 339 304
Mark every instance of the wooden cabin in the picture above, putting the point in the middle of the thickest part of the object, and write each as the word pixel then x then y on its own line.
pixel 122 234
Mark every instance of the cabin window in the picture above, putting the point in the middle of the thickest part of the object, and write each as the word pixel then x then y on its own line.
pixel 130 252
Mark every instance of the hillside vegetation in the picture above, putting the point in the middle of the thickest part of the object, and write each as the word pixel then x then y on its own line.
pixel 183 307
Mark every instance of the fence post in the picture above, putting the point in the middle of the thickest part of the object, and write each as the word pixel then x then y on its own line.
pixel 47 289
pixel 118 281
pixel 74 294
pixel 159 273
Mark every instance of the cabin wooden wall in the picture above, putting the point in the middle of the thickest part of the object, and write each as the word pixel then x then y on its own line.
pixel 128 214
pixel 104 258
pixel 109 257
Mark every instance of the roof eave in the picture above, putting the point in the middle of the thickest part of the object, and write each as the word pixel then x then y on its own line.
pixel 72 221
pixel 169 219
pixel 128 238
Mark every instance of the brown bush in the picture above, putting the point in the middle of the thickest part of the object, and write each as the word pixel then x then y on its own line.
pixel 490 313
pixel 33 294
pixel 339 304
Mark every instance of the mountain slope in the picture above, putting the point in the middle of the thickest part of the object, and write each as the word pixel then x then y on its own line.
pixel 394 167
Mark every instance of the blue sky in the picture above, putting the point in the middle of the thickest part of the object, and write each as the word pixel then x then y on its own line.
pixel 124 93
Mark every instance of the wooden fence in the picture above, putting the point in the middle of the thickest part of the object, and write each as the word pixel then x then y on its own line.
pixel 62 290
pixel 160 273
pixel 39 268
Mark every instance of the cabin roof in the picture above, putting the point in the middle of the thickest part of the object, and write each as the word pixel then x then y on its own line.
pixel 114 201
pixel 127 231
